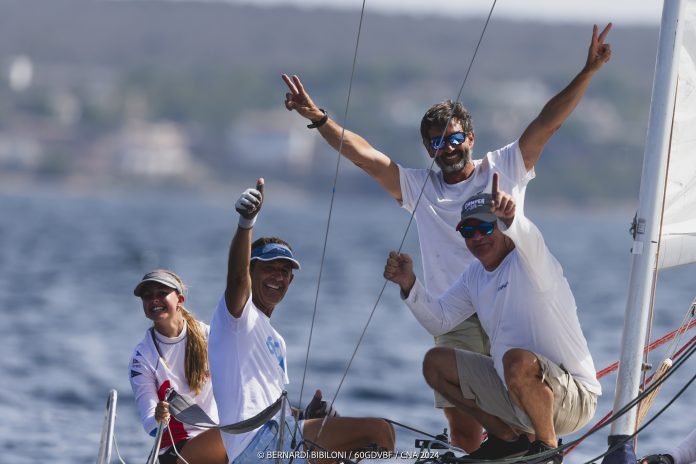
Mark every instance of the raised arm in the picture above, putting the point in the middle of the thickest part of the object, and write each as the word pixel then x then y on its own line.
pixel 375 163
pixel 557 110
pixel 238 287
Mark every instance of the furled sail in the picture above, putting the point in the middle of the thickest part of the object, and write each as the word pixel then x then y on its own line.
pixel 678 237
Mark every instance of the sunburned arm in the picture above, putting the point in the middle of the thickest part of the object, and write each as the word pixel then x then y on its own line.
pixel 238 288
pixel 557 110
pixel 375 163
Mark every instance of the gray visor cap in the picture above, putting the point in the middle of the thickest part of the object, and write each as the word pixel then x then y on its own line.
pixel 163 277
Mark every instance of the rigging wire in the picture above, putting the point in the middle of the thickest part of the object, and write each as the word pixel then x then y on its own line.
pixel 676 356
pixel 570 446
pixel 408 226
pixel 624 410
pixel 330 215
pixel 659 342
pixel 650 421
pixel 118 453
pixel 656 270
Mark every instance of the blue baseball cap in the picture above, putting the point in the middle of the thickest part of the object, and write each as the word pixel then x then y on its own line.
pixel 273 251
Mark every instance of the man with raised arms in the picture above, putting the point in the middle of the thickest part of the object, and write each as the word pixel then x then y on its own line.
pixel 443 255
pixel 247 355
pixel 540 378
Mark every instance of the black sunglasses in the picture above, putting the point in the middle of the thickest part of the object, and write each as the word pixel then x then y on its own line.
pixel 484 228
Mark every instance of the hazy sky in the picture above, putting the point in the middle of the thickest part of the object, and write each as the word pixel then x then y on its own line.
pixel 618 11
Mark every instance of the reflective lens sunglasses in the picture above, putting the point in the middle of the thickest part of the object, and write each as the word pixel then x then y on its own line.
pixel 457 138
pixel 484 228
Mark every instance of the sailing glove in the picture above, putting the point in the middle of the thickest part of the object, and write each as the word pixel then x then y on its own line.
pixel 248 206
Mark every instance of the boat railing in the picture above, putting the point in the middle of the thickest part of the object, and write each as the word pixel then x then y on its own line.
pixel 107 437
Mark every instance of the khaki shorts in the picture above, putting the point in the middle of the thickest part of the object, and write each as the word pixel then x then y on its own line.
pixel 573 405
pixel 468 336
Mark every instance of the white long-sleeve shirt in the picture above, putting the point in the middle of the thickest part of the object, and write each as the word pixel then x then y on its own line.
pixel 524 303
pixel 685 452
pixel 150 377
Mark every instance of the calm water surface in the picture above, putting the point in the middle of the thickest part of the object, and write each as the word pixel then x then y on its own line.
pixel 68 264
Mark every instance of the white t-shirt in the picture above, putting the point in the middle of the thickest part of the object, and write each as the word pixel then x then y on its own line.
pixel 150 378
pixel 248 367
pixel 685 452
pixel 525 303
pixel 443 251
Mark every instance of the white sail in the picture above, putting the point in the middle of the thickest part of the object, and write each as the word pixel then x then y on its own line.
pixel 662 131
pixel 678 238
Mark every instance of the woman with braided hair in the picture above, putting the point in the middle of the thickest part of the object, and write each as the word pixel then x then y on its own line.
pixel 173 354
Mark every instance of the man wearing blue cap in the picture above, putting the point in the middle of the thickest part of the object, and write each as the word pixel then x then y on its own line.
pixel 248 356
pixel 540 378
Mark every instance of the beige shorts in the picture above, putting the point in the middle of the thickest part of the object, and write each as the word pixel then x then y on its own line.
pixel 573 405
pixel 468 336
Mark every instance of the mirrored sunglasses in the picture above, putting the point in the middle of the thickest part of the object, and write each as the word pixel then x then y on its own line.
pixel 484 228
pixel 457 138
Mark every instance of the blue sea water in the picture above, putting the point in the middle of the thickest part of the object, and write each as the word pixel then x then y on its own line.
pixel 68 264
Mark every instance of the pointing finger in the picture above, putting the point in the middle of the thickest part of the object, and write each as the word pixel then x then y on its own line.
pixel 494 188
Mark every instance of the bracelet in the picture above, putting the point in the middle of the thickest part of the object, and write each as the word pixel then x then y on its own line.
pixel 319 123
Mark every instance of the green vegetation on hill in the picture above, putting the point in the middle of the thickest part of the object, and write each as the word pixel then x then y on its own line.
pixel 207 65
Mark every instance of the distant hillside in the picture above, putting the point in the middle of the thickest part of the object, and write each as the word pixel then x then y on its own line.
pixel 211 63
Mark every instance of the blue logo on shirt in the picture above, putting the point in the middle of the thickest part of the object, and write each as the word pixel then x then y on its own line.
pixel 502 286
pixel 274 348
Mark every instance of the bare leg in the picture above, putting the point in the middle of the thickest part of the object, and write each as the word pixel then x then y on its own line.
pixel 206 448
pixel 464 431
pixel 440 371
pixel 350 433
pixel 529 392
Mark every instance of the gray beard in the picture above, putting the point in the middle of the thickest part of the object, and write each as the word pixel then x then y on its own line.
pixel 456 167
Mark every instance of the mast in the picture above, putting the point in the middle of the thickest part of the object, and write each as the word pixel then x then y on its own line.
pixel 647 225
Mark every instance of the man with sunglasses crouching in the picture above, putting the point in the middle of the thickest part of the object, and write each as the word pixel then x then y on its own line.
pixel 540 378
pixel 448 136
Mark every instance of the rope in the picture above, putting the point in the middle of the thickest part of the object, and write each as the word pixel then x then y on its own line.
pixel 648 401
pixel 676 356
pixel 666 363
pixel 152 457
pixel 328 221
pixel 176 451
pixel 684 327
pixel 618 414
pixel 403 240
pixel 658 414
pixel 674 336
pixel 118 453
pixel 657 343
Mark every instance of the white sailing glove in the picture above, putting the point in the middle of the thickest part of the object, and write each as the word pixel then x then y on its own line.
pixel 249 204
